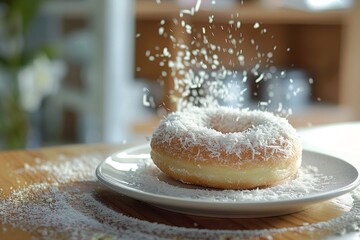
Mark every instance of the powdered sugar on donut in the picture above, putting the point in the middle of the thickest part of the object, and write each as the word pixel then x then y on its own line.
pixel 219 129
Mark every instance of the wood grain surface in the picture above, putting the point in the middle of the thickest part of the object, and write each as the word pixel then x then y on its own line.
pixel 11 161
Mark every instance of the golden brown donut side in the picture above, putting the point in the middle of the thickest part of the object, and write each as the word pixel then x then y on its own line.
pixel 232 171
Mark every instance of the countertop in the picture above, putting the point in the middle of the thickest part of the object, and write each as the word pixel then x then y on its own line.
pixel 52 193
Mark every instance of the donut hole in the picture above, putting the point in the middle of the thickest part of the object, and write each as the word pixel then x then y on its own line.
pixel 229 124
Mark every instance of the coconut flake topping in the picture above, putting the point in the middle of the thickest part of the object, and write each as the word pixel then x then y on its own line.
pixel 234 131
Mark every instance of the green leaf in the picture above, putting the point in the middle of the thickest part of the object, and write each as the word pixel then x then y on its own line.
pixel 29 8
pixel 4 62
pixel 25 9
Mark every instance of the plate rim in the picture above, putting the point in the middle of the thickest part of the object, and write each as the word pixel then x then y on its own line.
pixel 176 201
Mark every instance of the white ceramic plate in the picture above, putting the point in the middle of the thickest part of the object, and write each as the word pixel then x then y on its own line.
pixel 131 172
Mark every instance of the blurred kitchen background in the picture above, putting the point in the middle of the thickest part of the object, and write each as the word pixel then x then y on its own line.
pixel 77 71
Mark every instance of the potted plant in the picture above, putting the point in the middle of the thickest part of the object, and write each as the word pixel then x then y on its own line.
pixel 26 75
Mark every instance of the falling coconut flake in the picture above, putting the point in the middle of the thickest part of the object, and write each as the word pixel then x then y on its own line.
pixel 195 62
pixel 261 77
pixel 197 6
pixel 256 25
pixel 161 31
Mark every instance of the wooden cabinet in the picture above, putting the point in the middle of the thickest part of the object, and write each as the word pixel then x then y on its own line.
pixel 323 44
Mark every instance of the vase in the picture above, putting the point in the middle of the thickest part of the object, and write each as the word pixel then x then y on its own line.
pixel 13 119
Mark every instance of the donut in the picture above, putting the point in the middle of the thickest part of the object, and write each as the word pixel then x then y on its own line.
pixel 226 148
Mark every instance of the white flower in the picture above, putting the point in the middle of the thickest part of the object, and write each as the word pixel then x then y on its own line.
pixel 39 79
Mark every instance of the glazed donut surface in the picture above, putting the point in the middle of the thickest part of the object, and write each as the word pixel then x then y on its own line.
pixel 226 148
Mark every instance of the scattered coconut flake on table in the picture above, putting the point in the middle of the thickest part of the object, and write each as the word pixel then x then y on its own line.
pixel 50 209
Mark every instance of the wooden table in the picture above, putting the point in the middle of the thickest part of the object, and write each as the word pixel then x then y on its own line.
pixel 12 178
